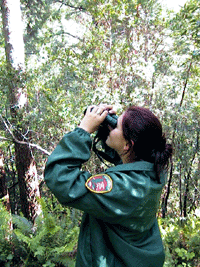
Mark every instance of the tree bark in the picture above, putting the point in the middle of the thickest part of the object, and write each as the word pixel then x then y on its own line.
pixel 180 191
pixel 188 177
pixel 17 95
pixel 3 187
pixel 165 199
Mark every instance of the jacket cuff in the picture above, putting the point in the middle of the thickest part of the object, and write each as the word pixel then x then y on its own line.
pixel 81 131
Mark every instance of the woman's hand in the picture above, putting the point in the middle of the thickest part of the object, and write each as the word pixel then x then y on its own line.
pixel 94 116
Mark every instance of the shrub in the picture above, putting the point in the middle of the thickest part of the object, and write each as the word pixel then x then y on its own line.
pixel 6 253
pixel 182 241
pixel 49 242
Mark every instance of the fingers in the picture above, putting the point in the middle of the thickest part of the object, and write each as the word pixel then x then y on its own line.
pixel 100 109
pixel 105 107
pixel 94 110
pixel 109 108
pixel 99 113
pixel 94 116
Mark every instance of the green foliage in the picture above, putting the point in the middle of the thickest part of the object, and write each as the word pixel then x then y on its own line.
pixel 51 241
pixel 124 52
pixel 186 23
pixel 182 241
pixel 5 236
pixel 35 15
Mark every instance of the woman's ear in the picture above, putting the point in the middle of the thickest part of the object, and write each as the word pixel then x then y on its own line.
pixel 132 143
pixel 128 145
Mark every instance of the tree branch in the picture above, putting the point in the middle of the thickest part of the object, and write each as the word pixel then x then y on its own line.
pixel 21 142
pixel 185 84
pixel 67 4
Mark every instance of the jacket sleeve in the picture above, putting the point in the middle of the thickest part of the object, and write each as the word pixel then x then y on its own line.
pixel 65 179
pixel 63 173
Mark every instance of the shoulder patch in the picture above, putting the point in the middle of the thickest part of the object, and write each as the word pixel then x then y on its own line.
pixel 101 183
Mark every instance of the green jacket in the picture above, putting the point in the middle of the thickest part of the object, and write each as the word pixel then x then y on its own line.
pixel 119 227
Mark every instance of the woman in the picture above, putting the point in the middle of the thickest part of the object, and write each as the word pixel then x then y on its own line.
pixel 119 225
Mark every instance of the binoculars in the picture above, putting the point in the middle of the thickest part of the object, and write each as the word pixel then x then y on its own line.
pixel 103 131
pixel 106 153
pixel 111 120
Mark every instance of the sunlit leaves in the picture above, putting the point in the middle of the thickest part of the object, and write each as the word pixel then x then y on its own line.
pixel 120 52
pixel 186 24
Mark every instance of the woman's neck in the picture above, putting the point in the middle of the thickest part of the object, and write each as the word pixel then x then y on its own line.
pixel 128 157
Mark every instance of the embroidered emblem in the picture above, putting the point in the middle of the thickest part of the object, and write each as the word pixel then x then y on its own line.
pixel 101 183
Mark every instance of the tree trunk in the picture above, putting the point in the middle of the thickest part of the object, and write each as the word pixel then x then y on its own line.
pixel 14 46
pixel 180 191
pixel 186 196
pixel 3 187
pixel 166 197
pixel 188 177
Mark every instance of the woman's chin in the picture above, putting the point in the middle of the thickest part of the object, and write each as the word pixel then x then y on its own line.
pixel 107 141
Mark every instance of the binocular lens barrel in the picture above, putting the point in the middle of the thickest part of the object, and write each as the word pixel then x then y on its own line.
pixel 111 120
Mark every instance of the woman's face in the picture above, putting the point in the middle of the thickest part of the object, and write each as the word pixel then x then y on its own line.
pixel 116 138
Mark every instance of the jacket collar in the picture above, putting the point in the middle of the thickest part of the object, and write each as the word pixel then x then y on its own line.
pixel 134 166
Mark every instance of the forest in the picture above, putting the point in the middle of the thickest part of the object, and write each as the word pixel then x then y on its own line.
pixel 57 58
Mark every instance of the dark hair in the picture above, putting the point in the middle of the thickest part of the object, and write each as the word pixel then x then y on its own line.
pixel 142 127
